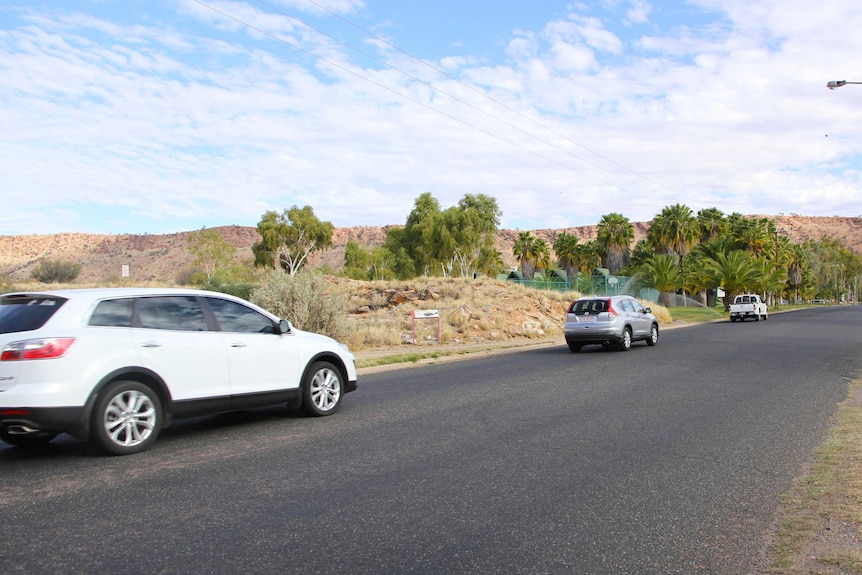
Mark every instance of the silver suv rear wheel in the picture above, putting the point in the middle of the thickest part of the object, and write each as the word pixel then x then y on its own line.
pixel 626 342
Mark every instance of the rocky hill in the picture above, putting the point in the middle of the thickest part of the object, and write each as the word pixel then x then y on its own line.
pixel 161 258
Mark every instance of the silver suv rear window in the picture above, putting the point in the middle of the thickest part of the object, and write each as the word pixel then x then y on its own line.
pixel 589 306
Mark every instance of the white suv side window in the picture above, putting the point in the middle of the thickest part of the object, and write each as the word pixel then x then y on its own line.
pixel 113 313
pixel 179 313
pixel 237 318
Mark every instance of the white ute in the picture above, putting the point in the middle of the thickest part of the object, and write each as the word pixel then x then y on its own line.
pixel 748 305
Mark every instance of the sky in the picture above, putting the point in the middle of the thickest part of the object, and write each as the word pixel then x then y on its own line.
pixel 157 116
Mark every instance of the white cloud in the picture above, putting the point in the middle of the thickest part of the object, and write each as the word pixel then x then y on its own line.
pixel 186 120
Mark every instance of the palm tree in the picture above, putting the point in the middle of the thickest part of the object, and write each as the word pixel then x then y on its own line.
pixel 701 257
pixel 525 250
pixel 712 223
pixel 753 234
pixel 796 268
pixel 662 273
pixel 589 256
pixel 542 257
pixel 615 237
pixel 698 282
pixel 735 271
pixel 566 248
pixel 772 278
pixel 675 231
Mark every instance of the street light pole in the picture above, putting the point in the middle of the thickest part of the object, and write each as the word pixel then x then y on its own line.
pixel 835 84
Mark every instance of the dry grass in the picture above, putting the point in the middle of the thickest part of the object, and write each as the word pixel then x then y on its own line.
pixel 471 311
pixel 821 525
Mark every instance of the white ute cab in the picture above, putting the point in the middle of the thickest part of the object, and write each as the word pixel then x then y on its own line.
pixel 116 365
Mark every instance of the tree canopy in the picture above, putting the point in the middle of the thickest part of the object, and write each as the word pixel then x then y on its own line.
pixel 288 238
pixel 456 241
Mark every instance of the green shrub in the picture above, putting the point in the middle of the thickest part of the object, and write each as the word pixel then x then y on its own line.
pixel 56 271
pixel 305 300
pixel 185 275
pixel 243 290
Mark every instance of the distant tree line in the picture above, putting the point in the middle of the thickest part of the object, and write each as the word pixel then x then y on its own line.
pixel 683 252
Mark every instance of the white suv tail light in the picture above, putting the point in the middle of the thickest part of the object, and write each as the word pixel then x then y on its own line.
pixel 46 348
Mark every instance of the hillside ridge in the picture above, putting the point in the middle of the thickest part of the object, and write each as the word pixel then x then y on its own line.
pixel 161 257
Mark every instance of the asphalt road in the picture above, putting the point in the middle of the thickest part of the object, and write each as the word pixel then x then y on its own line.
pixel 662 460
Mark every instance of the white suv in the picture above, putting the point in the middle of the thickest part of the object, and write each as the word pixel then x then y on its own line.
pixel 116 365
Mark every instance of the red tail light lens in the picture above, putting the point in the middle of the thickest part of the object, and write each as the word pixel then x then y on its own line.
pixel 611 311
pixel 49 348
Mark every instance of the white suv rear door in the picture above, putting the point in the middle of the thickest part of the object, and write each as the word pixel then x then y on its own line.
pixel 174 342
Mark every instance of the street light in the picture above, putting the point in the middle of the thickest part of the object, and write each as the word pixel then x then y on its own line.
pixel 835 84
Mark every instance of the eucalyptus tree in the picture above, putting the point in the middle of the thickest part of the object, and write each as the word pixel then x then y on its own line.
pixel 439 241
pixel 210 251
pixel 381 261
pixel 357 261
pixel 473 225
pixel 566 248
pixel 615 237
pixel 287 239
pixel 837 270
pixel 417 237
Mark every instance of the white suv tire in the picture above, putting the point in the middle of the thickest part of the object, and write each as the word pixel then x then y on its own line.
pixel 127 417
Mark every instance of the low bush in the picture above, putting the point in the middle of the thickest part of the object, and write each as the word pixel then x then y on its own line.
pixel 55 271
pixel 306 300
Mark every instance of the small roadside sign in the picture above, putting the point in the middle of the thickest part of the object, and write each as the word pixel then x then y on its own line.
pixel 425 314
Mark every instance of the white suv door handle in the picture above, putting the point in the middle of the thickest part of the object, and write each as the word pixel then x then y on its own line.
pixel 238 344
pixel 151 344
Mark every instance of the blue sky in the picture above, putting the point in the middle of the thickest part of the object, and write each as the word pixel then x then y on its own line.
pixel 163 116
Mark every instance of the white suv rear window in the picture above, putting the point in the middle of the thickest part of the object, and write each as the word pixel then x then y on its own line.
pixel 27 312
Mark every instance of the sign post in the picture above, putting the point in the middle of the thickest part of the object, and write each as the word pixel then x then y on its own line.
pixel 425 314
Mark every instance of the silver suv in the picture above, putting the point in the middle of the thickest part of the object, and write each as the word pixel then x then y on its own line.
pixel 614 321
pixel 115 366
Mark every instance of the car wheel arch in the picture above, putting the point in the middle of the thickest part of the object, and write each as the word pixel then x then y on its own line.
pixel 308 392
pixel 329 358
pixel 134 373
